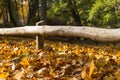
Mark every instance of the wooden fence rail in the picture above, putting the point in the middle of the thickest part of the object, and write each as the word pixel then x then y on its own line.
pixel 98 34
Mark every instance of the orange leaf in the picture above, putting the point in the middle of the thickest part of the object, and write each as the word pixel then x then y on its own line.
pixel 92 67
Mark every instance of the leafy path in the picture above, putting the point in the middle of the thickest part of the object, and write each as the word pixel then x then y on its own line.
pixel 59 61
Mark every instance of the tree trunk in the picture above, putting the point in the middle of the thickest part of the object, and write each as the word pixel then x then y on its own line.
pixel 1 13
pixel 33 6
pixel 43 11
pixel 23 16
pixel 16 13
pixel 9 6
pixel 97 34
pixel 73 8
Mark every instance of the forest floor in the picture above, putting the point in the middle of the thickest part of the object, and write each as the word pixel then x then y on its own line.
pixel 19 60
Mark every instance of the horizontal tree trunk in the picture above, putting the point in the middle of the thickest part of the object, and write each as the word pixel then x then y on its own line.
pixel 97 34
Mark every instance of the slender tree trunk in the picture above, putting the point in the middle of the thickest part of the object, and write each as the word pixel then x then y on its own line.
pixel 5 15
pixel 17 13
pixel 43 11
pixel 9 6
pixel 23 16
pixel 1 13
pixel 33 6
pixel 73 8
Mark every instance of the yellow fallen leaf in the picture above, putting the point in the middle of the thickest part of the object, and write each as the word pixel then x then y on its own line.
pixel 52 73
pixel 92 67
pixel 25 62
pixel 4 75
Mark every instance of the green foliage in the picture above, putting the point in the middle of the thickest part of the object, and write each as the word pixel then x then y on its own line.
pixel 94 9
pixel 103 13
pixel 58 11
pixel 83 8
pixel 99 13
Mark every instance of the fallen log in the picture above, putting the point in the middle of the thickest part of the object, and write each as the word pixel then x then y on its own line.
pixel 97 34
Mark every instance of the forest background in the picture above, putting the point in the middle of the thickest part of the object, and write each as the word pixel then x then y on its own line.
pixel 98 13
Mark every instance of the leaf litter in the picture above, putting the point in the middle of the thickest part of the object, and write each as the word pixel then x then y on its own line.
pixel 58 61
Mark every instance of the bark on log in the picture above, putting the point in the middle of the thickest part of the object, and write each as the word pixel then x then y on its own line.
pixel 98 34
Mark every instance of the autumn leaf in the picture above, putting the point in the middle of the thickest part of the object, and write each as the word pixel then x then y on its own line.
pixel 92 67
pixel 25 62
pixel 4 75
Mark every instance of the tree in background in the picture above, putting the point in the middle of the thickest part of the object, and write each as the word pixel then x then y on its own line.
pixel 43 11
pixel 12 8
pixel 33 7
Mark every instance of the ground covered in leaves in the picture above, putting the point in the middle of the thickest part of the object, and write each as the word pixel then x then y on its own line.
pixel 58 61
